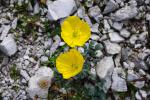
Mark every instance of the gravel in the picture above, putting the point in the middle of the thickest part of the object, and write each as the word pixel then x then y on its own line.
pixel 26 43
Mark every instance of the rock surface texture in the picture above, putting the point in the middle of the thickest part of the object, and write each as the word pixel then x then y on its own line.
pixel 118 51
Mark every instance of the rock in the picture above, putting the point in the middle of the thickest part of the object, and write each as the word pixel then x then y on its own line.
pixel 55 44
pixel 94 11
pixel 8 46
pixel 125 13
pixel 88 20
pixel 60 9
pixel 25 74
pixel 111 6
pixel 118 83
pixel 5 31
pixel 14 23
pixel 40 83
pixel 148 17
pixel 106 25
pixel 125 33
pixel 99 53
pixel 81 12
pixel 95 37
pixel 139 84
pixel 115 37
pixel 89 3
pixel 36 8
pixel 105 67
pixel 81 49
pixel 112 48
pixel 141 95
pixel 48 43
pixel 94 28
pixel 133 39
pixel 44 59
pixel 118 26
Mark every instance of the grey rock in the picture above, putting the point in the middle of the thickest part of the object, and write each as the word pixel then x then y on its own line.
pixel 8 46
pixel 5 31
pixel 44 59
pixel 14 23
pixel 118 26
pixel 133 39
pixel 95 37
pixel 25 74
pixel 81 12
pixel 125 33
pixel 125 13
pixel 94 11
pixel 118 83
pixel 55 45
pixel 89 3
pixel 111 6
pixel 94 28
pixel 36 8
pixel 115 37
pixel 140 95
pixel 105 67
pixel 99 53
pixel 112 48
pixel 60 9
pixel 48 43
pixel 106 25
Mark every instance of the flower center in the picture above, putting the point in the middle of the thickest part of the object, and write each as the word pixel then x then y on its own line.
pixel 43 83
pixel 75 34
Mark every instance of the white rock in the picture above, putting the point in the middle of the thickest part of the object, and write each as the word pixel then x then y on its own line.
pixel 81 49
pixel 125 33
pixel 89 3
pixel 99 53
pixel 115 37
pixel 81 12
pixel 36 8
pixel 8 46
pixel 106 25
pixel 140 93
pixel 125 13
pixel 111 6
pixel 95 37
pixel 14 23
pixel 118 26
pixel 148 17
pixel 55 45
pixel 5 31
pixel 133 39
pixel 25 74
pixel 112 48
pixel 118 83
pixel 60 9
pixel 105 67
pixel 94 11
pixel 44 59
pixel 94 28
pixel 40 83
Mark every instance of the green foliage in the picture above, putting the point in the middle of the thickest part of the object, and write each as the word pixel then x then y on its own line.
pixel 14 73
pixel 52 28
pixel 16 88
pixel 84 86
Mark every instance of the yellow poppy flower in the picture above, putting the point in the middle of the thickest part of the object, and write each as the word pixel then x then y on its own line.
pixel 69 63
pixel 75 32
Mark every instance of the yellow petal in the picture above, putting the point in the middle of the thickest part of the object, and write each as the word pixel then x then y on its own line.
pixel 69 63
pixel 75 32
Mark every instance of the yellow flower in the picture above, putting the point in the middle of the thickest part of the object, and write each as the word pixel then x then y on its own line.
pixel 70 63
pixel 75 32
